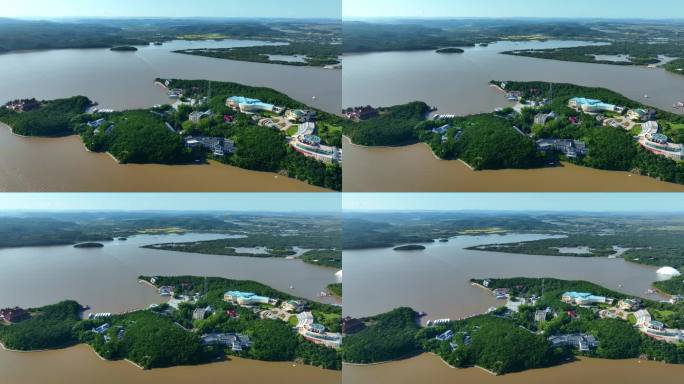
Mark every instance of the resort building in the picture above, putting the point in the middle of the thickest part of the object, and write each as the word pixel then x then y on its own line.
pixel 310 146
pixel 14 315
pixel 219 146
pixel 584 299
pixel 542 118
pixel 446 336
pixel 580 341
pixel 247 298
pixel 360 113
pixel 316 334
pixel 570 148
pixel 304 320
pixel 659 144
pixel 643 317
pixel 102 328
pixel 235 341
pixel 306 129
pixel 196 116
pixel 299 115
pixel 641 114
pixel 97 123
pixel 592 106
pixel 441 130
pixel 201 313
pixel 23 105
pixel 294 305
pixel 629 304
pixel 249 106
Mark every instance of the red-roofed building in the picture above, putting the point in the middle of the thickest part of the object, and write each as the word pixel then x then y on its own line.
pixel 14 315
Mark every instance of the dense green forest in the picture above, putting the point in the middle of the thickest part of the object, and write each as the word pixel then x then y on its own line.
pixel 388 336
pixel 317 55
pixel 394 126
pixel 335 289
pixel 51 118
pixel 50 327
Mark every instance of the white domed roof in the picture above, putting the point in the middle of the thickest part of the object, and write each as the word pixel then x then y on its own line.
pixel 669 271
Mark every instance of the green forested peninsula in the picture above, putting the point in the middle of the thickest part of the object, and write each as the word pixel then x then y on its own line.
pixel 507 341
pixel 46 118
pixel 164 336
pixel 506 139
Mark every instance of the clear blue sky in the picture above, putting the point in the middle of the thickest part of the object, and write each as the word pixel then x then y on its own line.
pixel 569 202
pixel 263 202
pixel 172 8
pixel 519 8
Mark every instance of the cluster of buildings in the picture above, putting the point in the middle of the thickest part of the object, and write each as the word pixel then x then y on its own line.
pixel 23 105
pixel 219 146
pixel 360 113
pixel 650 139
pixel 584 299
pixel 237 342
pixel 14 315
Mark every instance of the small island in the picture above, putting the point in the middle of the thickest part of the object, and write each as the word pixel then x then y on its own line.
pixel 89 245
pixel 125 48
pixel 410 247
pixel 450 50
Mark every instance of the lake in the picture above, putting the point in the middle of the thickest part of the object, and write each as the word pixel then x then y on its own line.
pixel 429 368
pixel 459 83
pixel 80 364
pixel 107 278
pixel 437 280
pixel 125 80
